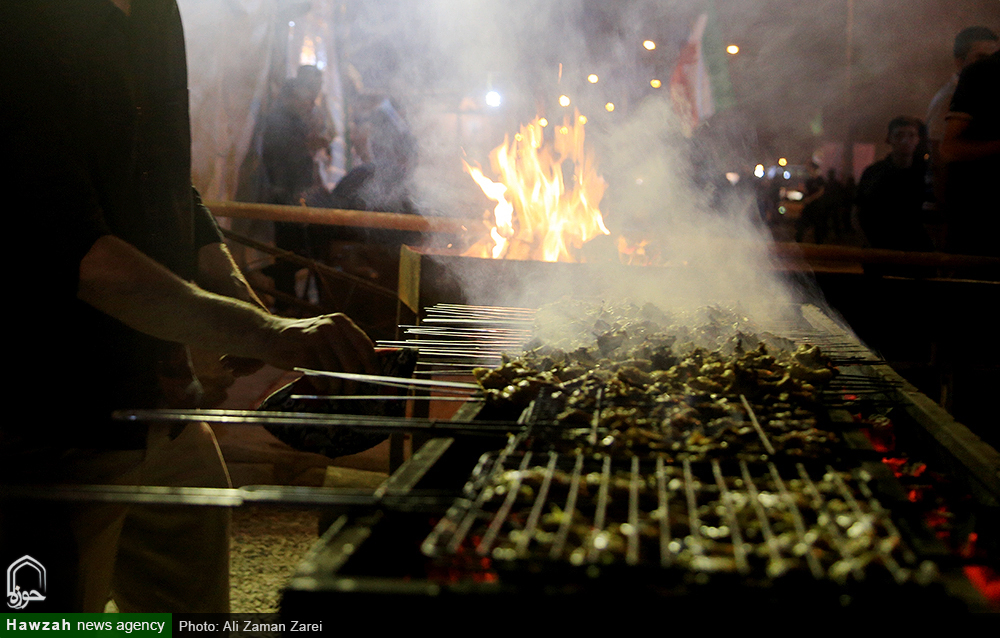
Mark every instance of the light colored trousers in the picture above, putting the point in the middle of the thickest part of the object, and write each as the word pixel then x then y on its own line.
pixel 150 558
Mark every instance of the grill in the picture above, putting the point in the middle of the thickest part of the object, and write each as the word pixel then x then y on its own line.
pixel 550 515
pixel 702 519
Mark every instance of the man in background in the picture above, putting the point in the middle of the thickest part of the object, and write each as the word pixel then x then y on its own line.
pixel 293 136
pixel 971 45
pixel 890 193
pixel 971 149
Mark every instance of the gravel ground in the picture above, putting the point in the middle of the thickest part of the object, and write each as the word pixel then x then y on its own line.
pixel 267 544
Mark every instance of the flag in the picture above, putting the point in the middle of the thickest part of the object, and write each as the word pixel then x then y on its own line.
pixel 699 86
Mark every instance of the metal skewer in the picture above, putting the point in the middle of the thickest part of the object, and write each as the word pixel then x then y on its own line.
pixel 216 496
pixel 312 419
pixel 380 397
pixel 396 382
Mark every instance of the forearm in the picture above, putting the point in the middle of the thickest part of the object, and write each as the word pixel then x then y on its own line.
pixel 121 281
pixel 961 150
pixel 955 147
pixel 124 283
pixel 218 273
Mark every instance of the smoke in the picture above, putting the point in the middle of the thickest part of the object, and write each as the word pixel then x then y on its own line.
pixel 662 186
pixel 438 58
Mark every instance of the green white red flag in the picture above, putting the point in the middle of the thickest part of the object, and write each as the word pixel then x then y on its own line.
pixel 699 86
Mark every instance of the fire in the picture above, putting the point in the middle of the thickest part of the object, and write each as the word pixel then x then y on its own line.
pixel 536 216
pixel 633 254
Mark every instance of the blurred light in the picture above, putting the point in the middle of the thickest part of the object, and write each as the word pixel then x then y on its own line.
pixel 563 100
pixel 609 107
pixel 649 45
pixel 655 84
pixel 493 98
pixel 592 78
pixel 732 49
pixel 564 130
pixel 781 210
pixel 786 175
pixel 582 119
pixel 782 161
pixel 518 137
pixel 543 122
pixel 758 170
pixel 307 55
pixel 638 181
pixel 733 178
pixel 795 196
pixel 291 24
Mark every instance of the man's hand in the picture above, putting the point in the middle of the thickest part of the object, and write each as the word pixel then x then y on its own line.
pixel 328 342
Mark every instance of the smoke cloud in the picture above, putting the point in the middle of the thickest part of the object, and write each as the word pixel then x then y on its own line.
pixel 662 186
pixel 438 58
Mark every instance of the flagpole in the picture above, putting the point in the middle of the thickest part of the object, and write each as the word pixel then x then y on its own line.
pixel 849 93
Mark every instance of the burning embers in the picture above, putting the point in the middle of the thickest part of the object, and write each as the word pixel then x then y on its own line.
pixel 540 213
pixel 647 449
pixel 757 521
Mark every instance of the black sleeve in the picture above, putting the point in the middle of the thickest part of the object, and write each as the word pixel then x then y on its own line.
pixel 977 98
pixel 51 195
pixel 966 94
pixel 206 230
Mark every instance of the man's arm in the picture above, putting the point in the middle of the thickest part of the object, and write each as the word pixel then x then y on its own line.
pixel 218 273
pixel 972 105
pixel 119 280
pixel 956 148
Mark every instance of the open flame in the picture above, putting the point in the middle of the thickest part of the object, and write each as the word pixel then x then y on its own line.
pixel 634 254
pixel 536 216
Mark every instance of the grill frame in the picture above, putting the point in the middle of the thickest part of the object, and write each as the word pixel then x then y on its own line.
pixel 342 564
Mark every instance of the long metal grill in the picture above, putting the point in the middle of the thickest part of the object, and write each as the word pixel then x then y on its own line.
pixel 756 520
pixel 758 497
pixel 562 512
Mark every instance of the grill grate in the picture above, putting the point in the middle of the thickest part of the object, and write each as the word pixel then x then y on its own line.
pixel 759 522
pixel 549 517
pixel 760 514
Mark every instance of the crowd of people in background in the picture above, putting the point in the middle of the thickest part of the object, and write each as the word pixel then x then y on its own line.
pixel 296 143
pixel 934 190
pixel 930 193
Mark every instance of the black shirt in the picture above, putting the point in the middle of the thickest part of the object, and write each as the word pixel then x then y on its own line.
pixel 890 201
pixel 974 205
pixel 94 115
